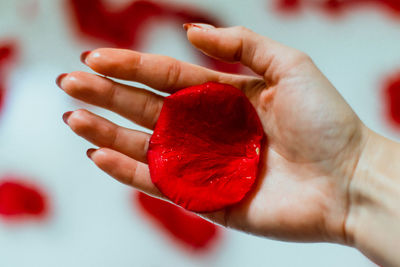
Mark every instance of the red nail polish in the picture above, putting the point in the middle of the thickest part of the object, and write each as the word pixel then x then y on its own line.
pixel 60 78
pixel 65 116
pixel 195 25
pixel 186 26
pixel 89 152
pixel 84 56
pixel 202 26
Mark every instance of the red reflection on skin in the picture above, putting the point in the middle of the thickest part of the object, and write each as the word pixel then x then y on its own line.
pixel 187 228
pixel 392 99
pixel 7 55
pixel 126 27
pixel 21 200
pixel 337 6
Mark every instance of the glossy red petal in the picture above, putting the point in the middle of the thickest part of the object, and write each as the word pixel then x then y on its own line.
pixel 204 152
pixel 185 227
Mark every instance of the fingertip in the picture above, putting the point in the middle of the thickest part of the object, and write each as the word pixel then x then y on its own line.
pixel 197 26
pixel 198 33
pixel 186 26
pixel 89 58
pixel 108 61
pixel 60 78
pixel 124 169
pixel 79 115
pixel 90 152
pixel 70 82
pixel 84 56
pixel 79 121
pixel 203 36
pixel 66 116
pixel 101 156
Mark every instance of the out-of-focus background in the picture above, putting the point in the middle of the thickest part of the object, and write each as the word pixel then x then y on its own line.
pixel 58 209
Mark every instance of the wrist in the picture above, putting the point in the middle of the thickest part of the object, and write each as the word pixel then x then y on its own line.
pixel 374 200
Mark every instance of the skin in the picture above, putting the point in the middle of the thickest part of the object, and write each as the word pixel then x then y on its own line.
pixel 316 181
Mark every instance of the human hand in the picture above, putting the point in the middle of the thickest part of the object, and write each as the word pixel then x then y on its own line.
pixel 314 138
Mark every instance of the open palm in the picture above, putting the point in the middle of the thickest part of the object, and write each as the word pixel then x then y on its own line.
pixel 314 138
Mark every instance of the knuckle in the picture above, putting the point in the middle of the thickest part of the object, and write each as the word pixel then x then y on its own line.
pixel 136 63
pixel 110 93
pixel 145 146
pixel 115 134
pixel 173 75
pixel 237 56
pixel 240 29
pixel 133 177
pixel 150 109
pixel 298 56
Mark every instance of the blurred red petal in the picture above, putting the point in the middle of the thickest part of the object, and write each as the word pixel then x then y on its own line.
pixel 126 27
pixel 20 199
pixel 392 99
pixel 188 229
pixel 7 55
pixel 336 6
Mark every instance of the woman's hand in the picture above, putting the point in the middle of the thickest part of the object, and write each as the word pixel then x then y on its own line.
pixel 314 138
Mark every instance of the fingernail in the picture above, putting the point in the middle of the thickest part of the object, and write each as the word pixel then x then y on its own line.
pixel 186 26
pixel 202 26
pixel 89 152
pixel 84 56
pixel 60 78
pixel 65 116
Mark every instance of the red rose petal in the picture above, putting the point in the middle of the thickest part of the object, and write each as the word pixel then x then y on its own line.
pixel 187 228
pixel 126 27
pixel 288 5
pixel 336 6
pixel 7 54
pixel 392 99
pixel 19 199
pixel 204 152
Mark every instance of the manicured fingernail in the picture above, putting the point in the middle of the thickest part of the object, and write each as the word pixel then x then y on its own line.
pixel 186 26
pixel 60 78
pixel 84 56
pixel 89 152
pixel 202 26
pixel 65 116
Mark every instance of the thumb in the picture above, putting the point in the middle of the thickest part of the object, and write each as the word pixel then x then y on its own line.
pixel 261 54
